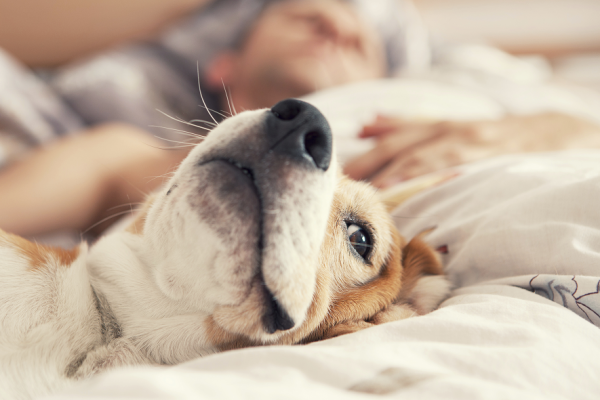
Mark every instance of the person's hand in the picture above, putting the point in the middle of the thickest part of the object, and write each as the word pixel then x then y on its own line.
pixel 406 149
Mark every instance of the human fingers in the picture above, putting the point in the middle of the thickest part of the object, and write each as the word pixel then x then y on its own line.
pixel 432 156
pixel 368 163
pixel 389 147
pixel 395 172
pixel 384 124
pixel 379 128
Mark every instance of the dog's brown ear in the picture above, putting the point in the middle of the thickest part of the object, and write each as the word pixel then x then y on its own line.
pixel 424 285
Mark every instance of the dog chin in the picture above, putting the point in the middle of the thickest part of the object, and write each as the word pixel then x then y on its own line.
pixel 248 318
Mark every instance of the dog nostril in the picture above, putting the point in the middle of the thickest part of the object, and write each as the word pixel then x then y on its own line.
pixel 287 110
pixel 317 146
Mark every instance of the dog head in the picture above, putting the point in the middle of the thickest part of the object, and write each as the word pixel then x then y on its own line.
pixel 258 230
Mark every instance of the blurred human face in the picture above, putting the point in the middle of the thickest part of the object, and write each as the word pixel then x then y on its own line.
pixel 299 46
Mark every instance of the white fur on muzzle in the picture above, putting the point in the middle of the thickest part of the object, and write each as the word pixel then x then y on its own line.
pixel 240 224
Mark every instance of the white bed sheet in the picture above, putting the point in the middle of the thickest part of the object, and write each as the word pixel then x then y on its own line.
pixel 487 342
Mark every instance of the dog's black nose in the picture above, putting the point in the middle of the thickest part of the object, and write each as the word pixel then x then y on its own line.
pixel 299 131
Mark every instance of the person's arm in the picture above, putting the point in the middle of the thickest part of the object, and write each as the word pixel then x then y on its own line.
pixel 74 182
pixel 47 33
pixel 406 149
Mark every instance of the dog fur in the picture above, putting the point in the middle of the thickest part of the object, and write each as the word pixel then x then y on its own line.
pixel 192 274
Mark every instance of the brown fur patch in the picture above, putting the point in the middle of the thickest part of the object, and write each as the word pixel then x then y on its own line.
pixel 38 255
pixel 419 260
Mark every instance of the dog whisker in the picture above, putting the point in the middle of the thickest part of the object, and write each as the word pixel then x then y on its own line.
pixel 144 194
pixel 222 113
pixel 182 121
pixel 191 134
pixel 176 141
pixel 171 147
pixel 227 96
pixel 211 124
pixel 108 218
pixel 124 205
pixel 232 104
pixel 166 175
pixel 201 96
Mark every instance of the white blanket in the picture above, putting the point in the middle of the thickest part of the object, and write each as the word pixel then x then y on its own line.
pixel 489 342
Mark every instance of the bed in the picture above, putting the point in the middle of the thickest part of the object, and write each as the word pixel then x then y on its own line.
pixel 522 234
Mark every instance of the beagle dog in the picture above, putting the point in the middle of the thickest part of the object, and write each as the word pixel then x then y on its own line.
pixel 256 240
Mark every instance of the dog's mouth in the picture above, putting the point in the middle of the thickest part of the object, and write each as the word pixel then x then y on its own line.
pixel 245 170
pixel 274 317
pixel 232 177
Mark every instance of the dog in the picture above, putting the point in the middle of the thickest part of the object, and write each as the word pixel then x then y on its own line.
pixel 257 239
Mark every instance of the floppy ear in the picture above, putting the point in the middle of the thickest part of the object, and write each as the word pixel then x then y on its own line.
pixel 424 285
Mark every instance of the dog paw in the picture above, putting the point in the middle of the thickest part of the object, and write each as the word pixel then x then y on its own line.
pixel 429 292
pixel 394 312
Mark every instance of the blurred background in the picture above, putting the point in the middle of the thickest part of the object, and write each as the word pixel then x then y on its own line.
pixel 44 33
pixel 49 33
pixel 567 32
pixel 71 66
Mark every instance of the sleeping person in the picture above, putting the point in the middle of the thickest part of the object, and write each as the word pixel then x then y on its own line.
pixel 243 55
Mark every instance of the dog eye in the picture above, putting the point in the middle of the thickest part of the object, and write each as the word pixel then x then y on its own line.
pixel 360 240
